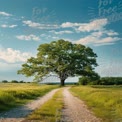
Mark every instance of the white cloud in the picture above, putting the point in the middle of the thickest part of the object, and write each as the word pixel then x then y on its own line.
pixel 13 26
pixel 8 26
pixel 111 33
pixel 28 37
pixel 31 24
pixel 54 37
pixel 40 26
pixel 99 35
pixel 93 25
pixel 4 13
pixel 48 36
pixel 97 39
pixel 83 27
pixel 43 35
pixel 105 32
pixel 61 32
pixel 4 26
pixel 96 29
pixel 107 40
pixel 87 40
pixel 10 55
pixel 70 24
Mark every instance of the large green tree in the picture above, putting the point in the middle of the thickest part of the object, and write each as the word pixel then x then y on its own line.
pixel 62 58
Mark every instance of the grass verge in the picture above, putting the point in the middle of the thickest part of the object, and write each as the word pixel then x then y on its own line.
pixel 50 111
pixel 105 102
pixel 12 95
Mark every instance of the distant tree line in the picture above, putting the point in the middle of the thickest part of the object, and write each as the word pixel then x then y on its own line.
pixel 101 81
pixel 110 81
pixel 14 81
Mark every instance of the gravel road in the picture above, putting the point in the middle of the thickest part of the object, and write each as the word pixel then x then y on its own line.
pixel 18 114
pixel 75 110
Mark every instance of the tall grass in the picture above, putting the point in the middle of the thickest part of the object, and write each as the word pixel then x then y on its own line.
pixel 12 95
pixel 50 111
pixel 106 103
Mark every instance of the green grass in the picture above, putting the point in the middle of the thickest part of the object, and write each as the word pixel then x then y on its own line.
pixel 105 102
pixel 50 111
pixel 12 95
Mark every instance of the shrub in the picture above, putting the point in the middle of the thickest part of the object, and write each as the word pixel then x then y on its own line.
pixel 4 81
pixel 6 98
pixel 110 81
pixel 14 81
pixel 84 80
pixel 22 81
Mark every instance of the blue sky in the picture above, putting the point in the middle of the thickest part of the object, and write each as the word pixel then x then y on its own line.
pixel 26 24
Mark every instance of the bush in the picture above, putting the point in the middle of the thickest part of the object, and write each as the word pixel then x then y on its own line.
pixel 22 81
pixel 110 81
pixel 14 81
pixel 84 80
pixel 4 81
pixel 6 98
pixel 91 80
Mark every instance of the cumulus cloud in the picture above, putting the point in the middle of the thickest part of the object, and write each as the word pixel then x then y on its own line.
pixel 12 26
pixel 95 31
pixel 55 37
pixel 98 34
pixel 8 26
pixel 10 55
pixel 94 25
pixel 111 33
pixel 107 40
pixel 5 14
pixel 43 35
pixel 31 24
pixel 70 24
pixel 97 39
pixel 28 37
pixel 40 26
pixel 61 32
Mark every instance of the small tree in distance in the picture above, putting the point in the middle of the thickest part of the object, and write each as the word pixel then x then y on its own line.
pixel 14 81
pixel 62 58
pixel 84 80
pixel 4 81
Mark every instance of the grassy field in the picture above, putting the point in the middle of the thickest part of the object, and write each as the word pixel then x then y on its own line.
pixel 12 95
pixel 104 101
pixel 50 111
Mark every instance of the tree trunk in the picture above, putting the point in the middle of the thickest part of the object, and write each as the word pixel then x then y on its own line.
pixel 62 82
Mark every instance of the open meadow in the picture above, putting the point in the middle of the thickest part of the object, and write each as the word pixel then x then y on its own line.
pixel 14 94
pixel 104 101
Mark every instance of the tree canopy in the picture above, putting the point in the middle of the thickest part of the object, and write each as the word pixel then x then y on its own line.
pixel 62 58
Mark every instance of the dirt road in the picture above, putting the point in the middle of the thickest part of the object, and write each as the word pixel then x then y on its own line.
pixel 18 114
pixel 75 110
